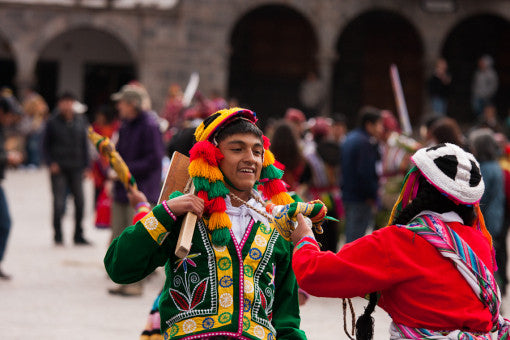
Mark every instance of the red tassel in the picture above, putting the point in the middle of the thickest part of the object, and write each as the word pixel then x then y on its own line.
pixel 279 165
pixel 267 142
pixel 206 150
pixel 273 187
pixel 203 195
pixel 217 204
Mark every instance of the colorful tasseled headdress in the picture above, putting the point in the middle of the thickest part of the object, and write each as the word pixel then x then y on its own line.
pixel 452 171
pixel 208 178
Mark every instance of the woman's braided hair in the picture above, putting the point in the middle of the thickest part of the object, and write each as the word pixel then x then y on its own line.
pixel 427 198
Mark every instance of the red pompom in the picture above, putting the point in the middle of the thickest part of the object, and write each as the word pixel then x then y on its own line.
pixel 206 150
pixel 279 165
pixel 273 187
pixel 267 142
pixel 217 204
pixel 203 195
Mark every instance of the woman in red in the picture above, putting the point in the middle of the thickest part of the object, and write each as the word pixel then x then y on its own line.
pixel 433 266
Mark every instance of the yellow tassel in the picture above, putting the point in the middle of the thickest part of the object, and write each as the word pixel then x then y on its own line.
pixel 282 198
pixel 480 219
pixel 268 158
pixel 200 168
pixel 219 220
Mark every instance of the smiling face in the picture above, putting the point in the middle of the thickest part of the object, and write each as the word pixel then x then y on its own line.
pixel 242 162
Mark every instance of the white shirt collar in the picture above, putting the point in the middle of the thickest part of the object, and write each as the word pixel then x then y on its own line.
pixel 450 216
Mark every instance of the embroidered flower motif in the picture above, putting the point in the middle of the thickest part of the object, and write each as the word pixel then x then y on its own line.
pixel 225 317
pixel 255 254
pixel 185 261
pixel 246 305
pixel 260 241
pixel 226 300
pixel 226 281
pixel 246 323
pixel 248 270
pixel 189 326
pixel 174 330
pixel 151 223
pixel 248 287
pixel 224 263
pixel 208 323
pixel 259 332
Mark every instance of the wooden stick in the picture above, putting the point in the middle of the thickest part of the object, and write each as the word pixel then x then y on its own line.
pixel 400 100
pixel 177 179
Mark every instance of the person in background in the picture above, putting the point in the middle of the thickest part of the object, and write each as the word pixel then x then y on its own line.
pixel 360 182
pixel 8 115
pixel 66 151
pixel 484 85
pixel 487 153
pixel 36 113
pixel 432 269
pixel 140 145
pixel 439 87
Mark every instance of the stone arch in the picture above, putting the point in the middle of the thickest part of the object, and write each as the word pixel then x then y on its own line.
pixel 273 47
pixel 466 42
pixel 366 48
pixel 87 61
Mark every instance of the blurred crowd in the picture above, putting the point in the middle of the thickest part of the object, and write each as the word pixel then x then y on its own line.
pixel 356 171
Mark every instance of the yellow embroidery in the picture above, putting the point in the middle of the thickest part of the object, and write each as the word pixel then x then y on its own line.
pixel 154 227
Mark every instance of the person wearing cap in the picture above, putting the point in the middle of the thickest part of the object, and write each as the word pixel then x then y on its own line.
pixel 237 281
pixel 140 144
pixel 65 150
pixel 9 113
pixel 432 268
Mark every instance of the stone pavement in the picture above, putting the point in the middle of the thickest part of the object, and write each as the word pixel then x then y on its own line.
pixel 61 292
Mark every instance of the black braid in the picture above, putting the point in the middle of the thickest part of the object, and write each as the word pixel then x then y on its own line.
pixel 427 198
pixel 365 323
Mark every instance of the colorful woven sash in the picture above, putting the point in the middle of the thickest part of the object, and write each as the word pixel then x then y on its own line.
pixel 474 271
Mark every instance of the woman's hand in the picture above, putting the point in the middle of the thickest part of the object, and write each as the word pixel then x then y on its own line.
pixel 186 203
pixel 303 228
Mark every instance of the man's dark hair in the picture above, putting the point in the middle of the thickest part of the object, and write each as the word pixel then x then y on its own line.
pixel 237 126
pixel 67 96
pixel 4 106
pixel 369 114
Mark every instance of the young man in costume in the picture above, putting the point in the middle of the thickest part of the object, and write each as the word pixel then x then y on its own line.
pixel 237 281
pixel 435 264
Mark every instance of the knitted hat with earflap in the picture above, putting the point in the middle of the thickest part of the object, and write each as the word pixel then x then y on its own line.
pixel 452 171
pixel 208 178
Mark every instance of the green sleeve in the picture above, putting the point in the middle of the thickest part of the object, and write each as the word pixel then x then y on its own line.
pixel 135 254
pixel 286 319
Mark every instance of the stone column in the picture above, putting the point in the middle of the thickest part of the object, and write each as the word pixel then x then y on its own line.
pixel 326 60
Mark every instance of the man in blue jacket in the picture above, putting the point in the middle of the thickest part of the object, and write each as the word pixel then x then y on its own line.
pixel 360 154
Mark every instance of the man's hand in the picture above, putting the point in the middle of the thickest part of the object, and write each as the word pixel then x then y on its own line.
pixel 54 168
pixel 14 157
pixel 304 228
pixel 135 196
pixel 186 203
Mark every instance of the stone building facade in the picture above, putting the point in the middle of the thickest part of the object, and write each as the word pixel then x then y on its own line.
pixel 257 50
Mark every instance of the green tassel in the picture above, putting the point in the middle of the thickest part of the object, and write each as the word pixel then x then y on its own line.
pixel 271 172
pixel 220 237
pixel 292 209
pixel 175 194
pixel 201 183
pixel 218 189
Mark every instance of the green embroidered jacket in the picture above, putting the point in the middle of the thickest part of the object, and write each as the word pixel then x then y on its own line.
pixel 245 291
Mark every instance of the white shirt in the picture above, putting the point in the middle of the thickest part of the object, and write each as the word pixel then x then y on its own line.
pixel 242 215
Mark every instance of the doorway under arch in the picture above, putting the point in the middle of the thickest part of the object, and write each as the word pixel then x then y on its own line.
pixel 464 45
pixel 7 65
pixel 272 49
pixel 366 49
pixel 86 61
